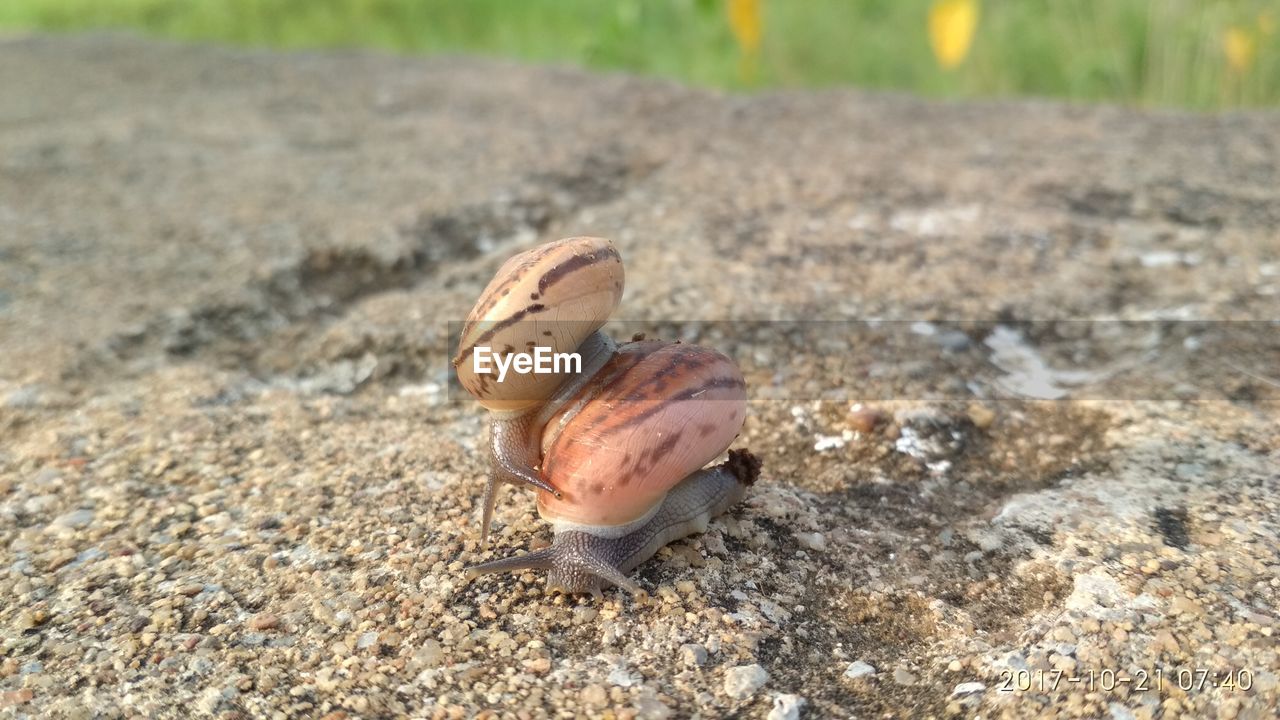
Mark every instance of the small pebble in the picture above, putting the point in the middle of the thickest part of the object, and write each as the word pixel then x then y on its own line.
pixel 263 621
pixel 595 696
pixel 786 707
pixel 693 654
pixel 31 618
pixel 981 416
pixel 647 706
pixel 865 419
pixel 621 678
pixel 743 681
pixel 859 669
pixel 17 697
pixel 813 541
pixel 540 665
pixel 430 654
pixel 75 519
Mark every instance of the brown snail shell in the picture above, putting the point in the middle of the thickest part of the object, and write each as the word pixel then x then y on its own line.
pixel 554 296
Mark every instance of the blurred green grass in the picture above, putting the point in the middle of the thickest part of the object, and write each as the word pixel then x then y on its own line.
pixel 1149 52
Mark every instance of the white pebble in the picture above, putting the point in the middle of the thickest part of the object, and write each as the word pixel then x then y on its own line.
pixel 968 688
pixel 75 519
pixel 832 442
pixel 693 654
pixel 743 681
pixel 622 678
pixel 813 541
pixel 786 707
pixel 648 706
pixel 858 669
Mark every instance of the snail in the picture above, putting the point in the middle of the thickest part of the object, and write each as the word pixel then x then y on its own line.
pixel 555 296
pixel 625 451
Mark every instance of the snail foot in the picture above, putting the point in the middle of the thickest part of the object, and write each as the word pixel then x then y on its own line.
pixel 572 567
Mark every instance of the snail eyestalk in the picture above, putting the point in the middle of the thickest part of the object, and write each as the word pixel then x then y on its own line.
pixel 535 560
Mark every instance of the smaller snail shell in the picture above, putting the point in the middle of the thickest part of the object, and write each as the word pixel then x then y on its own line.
pixel 553 296
pixel 652 416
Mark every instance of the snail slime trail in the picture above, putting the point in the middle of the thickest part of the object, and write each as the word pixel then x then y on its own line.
pixel 542 361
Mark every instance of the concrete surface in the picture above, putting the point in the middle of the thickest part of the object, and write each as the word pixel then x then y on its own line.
pixel 234 482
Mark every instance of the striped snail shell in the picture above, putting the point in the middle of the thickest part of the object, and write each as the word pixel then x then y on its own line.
pixel 626 452
pixel 553 298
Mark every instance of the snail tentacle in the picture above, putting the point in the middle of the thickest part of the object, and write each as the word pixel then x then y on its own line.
pixel 535 560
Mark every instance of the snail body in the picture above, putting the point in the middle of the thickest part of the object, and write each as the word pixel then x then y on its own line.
pixel 626 452
pixel 555 296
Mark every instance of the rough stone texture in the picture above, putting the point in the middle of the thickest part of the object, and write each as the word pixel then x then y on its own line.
pixel 233 482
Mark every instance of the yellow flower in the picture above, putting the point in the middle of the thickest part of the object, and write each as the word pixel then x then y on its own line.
pixel 951 27
pixel 1240 47
pixel 744 20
